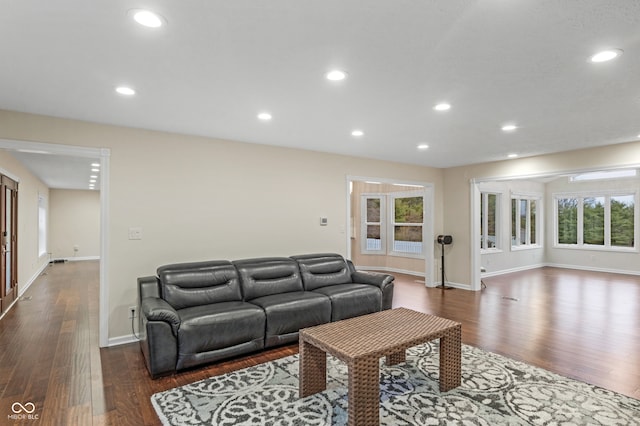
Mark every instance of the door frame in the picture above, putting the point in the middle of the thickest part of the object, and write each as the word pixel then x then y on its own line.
pixel 8 183
pixel 428 225
pixel 103 155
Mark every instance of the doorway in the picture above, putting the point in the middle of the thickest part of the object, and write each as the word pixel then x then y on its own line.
pixel 102 156
pixel 8 242
pixel 390 226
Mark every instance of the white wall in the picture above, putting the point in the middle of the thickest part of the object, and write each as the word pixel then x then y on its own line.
pixel 457 190
pixel 74 222
pixel 589 259
pixel 30 264
pixel 507 259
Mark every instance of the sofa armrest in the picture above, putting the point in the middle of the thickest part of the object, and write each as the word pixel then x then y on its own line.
pixel 382 281
pixel 373 278
pixel 156 309
pixel 159 324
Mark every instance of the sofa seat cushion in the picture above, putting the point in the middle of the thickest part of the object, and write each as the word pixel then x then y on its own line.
pixel 289 312
pixel 350 300
pixel 219 325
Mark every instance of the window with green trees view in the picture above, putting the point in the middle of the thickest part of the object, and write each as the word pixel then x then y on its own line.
pixel 392 224
pixel 605 220
pixel 488 221
pixel 407 224
pixel 525 221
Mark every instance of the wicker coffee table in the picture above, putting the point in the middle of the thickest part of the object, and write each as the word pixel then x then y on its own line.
pixel 360 342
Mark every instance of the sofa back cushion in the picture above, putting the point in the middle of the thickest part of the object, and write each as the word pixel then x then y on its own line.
pixel 321 270
pixel 269 275
pixel 199 283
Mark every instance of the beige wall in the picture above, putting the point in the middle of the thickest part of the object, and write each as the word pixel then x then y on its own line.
pixel 74 222
pixel 30 264
pixel 198 198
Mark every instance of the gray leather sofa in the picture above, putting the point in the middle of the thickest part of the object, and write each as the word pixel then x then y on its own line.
pixel 197 313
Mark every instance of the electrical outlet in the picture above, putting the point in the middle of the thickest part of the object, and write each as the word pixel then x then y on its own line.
pixel 133 312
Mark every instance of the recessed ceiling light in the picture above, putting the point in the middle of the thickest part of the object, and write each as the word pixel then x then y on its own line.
pixel 512 155
pixel 93 177
pixel 95 170
pixel 92 181
pixel 357 133
pixel 423 146
pixel 95 164
pixel 264 116
pixel 442 107
pixel 124 90
pixel 147 18
pixel 509 127
pixel 336 75
pixel 606 55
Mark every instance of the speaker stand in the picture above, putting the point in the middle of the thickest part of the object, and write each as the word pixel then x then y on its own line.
pixel 443 285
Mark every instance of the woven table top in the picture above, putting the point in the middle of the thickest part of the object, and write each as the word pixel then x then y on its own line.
pixel 377 334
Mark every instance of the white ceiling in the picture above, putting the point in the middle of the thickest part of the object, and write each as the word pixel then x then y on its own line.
pixel 61 171
pixel 217 64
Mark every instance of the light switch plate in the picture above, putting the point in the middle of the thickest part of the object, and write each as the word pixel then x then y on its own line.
pixel 135 233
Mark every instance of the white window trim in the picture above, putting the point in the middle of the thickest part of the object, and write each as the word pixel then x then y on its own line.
pixel 391 197
pixel 43 243
pixel 364 223
pixel 539 199
pixel 484 226
pixel 387 223
pixel 607 194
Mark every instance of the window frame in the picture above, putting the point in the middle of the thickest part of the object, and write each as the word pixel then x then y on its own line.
pixel 607 195
pixel 515 243
pixel 391 198
pixel 365 224
pixel 43 225
pixel 387 223
pixel 484 221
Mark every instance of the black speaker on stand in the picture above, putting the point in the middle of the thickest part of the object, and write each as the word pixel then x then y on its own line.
pixel 444 240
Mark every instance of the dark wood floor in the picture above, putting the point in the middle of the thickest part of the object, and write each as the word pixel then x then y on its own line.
pixel 579 324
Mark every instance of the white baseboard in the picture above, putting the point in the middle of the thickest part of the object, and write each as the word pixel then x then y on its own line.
pixel 387 269
pixel 510 270
pixel 559 265
pixel 23 288
pixel 455 285
pixel 593 269
pixel 31 280
pixel 121 340
pixel 75 259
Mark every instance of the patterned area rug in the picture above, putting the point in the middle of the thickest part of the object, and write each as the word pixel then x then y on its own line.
pixel 495 391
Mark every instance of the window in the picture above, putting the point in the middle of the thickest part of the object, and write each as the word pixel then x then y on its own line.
pixel 525 221
pixel 567 220
pixel 407 225
pixel 605 220
pixel 402 233
pixel 489 221
pixel 622 221
pixel 593 220
pixel 42 225
pixel 611 174
pixel 372 220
